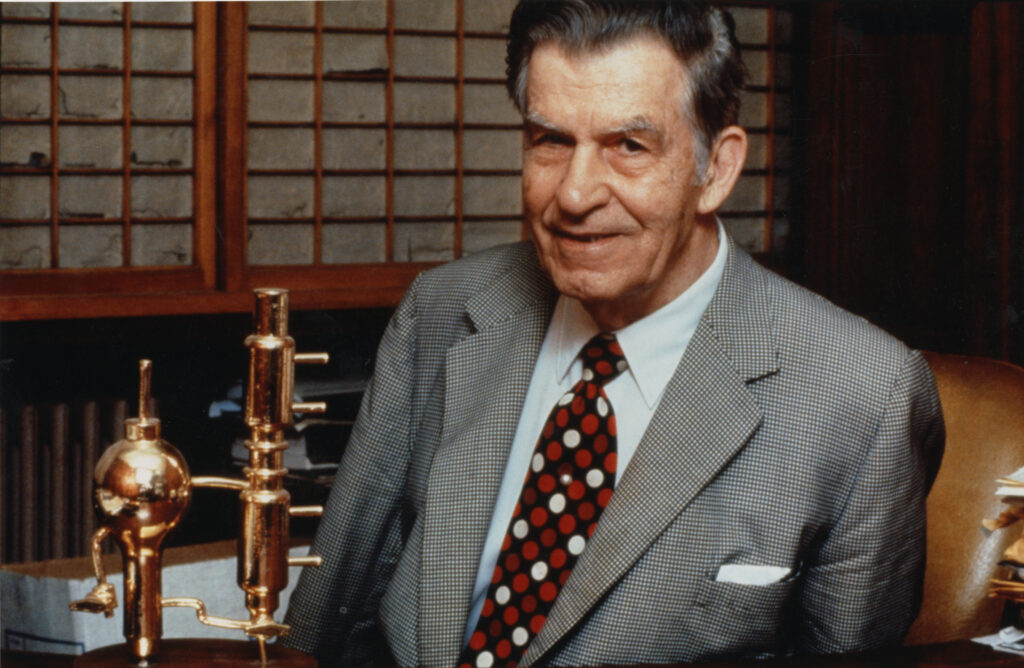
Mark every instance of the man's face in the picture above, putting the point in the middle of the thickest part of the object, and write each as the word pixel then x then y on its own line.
pixel 609 178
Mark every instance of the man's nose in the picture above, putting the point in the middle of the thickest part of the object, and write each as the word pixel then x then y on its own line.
pixel 584 185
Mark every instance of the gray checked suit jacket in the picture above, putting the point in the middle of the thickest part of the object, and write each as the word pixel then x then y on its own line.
pixel 792 434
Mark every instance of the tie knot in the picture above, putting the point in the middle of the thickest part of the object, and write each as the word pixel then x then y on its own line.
pixel 602 359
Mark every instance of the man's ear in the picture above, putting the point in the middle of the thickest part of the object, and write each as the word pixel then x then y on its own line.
pixel 724 166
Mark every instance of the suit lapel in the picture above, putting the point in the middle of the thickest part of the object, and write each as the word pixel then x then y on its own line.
pixel 705 417
pixel 487 377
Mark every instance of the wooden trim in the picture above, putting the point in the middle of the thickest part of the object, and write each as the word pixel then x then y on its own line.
pixel 36 282
pixel 318 134
pixel 231 137
pixel 126 135
pixel 204 237
pixel 460 86
pixel 54 139
pixel 14 309
pixel 993 173
pixel 389 116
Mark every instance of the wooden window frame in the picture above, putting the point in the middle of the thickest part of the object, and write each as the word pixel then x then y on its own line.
pixel 220 278
pixel 126 290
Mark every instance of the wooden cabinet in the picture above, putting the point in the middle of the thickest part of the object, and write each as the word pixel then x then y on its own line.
pixel 166 158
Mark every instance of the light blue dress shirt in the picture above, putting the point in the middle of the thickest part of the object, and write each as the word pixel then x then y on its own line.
pixel 653 347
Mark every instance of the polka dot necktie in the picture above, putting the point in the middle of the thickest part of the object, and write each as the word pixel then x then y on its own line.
pixel 568 484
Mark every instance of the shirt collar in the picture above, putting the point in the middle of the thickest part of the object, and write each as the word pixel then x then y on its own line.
pixel 652 345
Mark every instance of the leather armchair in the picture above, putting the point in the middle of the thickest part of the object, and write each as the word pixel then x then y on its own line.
pixel 983 406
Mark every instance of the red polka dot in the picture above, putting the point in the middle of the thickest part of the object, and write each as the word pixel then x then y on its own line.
pixel 511 616
pixel 591 390
pixel 529 497
pixel 603 367
pixel 512 562
pixel 594 352
pixel 565 468
pixel 562 417
pixel 590 529
pixel 615 349
pixel 589 424
pixel 478 640
pixel 496 577
pixel 548 591
pixel 585 511
pixel 495 628
pixel 465 665
pixel 612 431
pixel 507 543
pixel 564 576
pixel 546 483
pixel 600 443
pixel 488 608
pixel 583 458
pixel 537 623
pixel 503 648
pixel 554 451
pixel 603 497
pixel 518 509
pixel 566 524
pixel 520 582
pixel 530 550
pixel 529 603
pixel 549 428
pixel 547 537
pixel 576 490
pixel 610 462
pixel 578 405
pixel 557 558
pixel 538 516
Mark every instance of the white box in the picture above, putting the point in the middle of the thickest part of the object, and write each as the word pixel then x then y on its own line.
pixel 34 598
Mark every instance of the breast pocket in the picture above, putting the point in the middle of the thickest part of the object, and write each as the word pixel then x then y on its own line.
pixel 743 619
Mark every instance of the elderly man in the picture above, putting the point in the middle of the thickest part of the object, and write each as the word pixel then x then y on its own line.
pixel 624 442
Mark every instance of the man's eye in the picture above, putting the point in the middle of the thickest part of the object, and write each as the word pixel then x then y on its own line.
pixel 550 139
pixel 631 146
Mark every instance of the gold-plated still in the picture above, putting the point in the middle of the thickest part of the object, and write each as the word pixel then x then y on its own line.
pixel 140 491
pixel 143 487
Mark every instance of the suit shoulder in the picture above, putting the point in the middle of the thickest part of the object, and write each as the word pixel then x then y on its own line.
pixel 461 279
pixel 810 329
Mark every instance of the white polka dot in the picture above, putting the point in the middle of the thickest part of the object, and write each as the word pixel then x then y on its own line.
pixel 538 462
pixel 484 660
pixel 571 438
pixel 520 636
pixel 588 375
pixel 520 529
pixel 566 399
pixel 621 365
pixel 576 544
pixel 595 477
pixel 503 593
pixel 539 571
pixel 556 503
pixel 565 479
pixel 602 407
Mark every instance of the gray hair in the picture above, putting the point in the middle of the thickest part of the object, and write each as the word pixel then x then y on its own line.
pixel 703 36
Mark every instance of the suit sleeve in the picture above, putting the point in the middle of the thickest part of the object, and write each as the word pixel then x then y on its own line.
pixel 862 588
pixel 333 609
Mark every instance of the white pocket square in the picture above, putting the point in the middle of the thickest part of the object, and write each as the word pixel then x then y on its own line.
pixel 748 574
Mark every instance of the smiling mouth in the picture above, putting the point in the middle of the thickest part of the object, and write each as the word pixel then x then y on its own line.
pixel 583 238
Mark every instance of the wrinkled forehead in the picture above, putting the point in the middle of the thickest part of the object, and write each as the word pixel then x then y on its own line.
pixel 642 71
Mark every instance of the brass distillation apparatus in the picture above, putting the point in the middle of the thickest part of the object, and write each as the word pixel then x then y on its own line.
pixel 142 487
